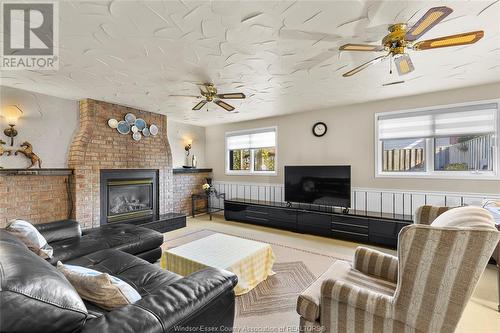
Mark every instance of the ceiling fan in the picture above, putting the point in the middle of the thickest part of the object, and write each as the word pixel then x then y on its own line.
pixel 208 91
pixel 400 39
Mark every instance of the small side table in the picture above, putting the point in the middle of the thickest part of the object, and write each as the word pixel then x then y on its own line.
pixel 208 209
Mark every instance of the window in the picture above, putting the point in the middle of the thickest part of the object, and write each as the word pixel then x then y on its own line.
pixel 251 152
pixel 456 141
pixel 403 155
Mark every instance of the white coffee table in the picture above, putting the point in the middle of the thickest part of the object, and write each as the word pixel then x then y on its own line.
pixel 250 260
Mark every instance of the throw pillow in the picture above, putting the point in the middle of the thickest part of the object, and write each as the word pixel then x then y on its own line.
pixel 30 236
pixel 465 217
pixel 102 289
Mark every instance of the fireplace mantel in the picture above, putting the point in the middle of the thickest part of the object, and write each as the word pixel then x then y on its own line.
pixel 36 172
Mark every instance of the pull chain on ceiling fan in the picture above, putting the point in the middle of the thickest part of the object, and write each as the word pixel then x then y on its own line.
pixel 400 39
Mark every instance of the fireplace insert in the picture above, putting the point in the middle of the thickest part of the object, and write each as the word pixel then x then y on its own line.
pixel 128 195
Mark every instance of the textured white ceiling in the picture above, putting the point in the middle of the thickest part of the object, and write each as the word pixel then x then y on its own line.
pixel 282 55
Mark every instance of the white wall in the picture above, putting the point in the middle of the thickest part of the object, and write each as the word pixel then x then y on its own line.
pixel 349 140
pixel 179 135
pixel 48 123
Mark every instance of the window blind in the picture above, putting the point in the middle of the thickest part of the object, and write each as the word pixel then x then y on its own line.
pixel 465 120
pixel 258 139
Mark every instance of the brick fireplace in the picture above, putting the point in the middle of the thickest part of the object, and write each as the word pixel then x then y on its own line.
pixel 98 147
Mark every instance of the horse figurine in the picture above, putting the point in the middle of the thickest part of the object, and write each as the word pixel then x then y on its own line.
pixel 4 151
pixel 27 150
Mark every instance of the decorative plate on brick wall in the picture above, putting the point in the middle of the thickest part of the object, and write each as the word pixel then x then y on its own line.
pixel 153 129
pixel 123 127
pixel 130 118
pixel 113 123
pixel 137 136
pixel 140 123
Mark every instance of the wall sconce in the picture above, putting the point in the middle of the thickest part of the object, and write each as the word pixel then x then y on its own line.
pixel 11 113
pixel 187 148
pixel 189 162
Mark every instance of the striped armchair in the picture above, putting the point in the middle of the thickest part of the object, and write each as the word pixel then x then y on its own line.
pixel 424 289
pixel 427 214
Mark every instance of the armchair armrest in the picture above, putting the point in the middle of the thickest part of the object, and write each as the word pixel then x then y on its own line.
pixel 59 230
pixel 357 297
pixel 205 298
pixel 376 263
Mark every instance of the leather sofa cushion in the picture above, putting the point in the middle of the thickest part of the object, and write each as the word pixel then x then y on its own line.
pixel 125 237
pixel 141 275
pixel 59 230
pixel 34 294
pixel 204 299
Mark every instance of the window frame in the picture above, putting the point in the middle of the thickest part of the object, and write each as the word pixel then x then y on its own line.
pixel 429 171
pixel 251 172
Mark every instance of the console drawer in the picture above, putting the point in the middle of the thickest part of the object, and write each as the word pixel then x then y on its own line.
pixel 350 220
pixel 350 228
pixel 351 236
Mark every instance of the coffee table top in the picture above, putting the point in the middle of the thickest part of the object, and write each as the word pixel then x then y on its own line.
pixel 219 250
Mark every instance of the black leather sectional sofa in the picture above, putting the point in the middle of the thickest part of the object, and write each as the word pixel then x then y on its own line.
pixel 35 297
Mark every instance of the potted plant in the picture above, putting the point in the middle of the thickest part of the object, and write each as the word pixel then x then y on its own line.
pixel 207 188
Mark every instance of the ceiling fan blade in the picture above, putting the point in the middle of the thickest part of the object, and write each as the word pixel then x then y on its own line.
pixel 361 47
pixel 453 40
pixel 403 64
pixel 224 105
pixel 363 66
pixel 232 96
pixel 190 96
pixel 392 83
pixel 199 105
pixel 427 22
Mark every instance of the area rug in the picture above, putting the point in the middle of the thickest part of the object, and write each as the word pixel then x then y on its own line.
pixel 271 305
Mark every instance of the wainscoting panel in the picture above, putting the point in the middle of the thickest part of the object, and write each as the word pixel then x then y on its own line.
pixel 369 199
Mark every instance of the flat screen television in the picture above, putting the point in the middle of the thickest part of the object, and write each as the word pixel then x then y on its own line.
pixel 319 185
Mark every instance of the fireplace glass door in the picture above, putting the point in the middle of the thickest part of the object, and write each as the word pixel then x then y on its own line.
pixel 130 199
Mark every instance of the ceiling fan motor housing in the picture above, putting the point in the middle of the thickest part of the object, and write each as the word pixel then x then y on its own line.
pixel 395 41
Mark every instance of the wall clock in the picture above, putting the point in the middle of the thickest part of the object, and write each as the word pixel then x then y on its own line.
pixel 319 129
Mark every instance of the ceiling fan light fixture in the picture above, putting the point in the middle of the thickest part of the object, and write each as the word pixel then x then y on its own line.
pixel 400 39
pixel 208 91
pixel 403 64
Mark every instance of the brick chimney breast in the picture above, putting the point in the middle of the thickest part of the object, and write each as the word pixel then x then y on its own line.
pixel 96 146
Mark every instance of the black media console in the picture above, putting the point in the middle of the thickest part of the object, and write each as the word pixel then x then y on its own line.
pixel 358 226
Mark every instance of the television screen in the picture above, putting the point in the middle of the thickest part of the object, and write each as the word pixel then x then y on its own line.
pixel 319 185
